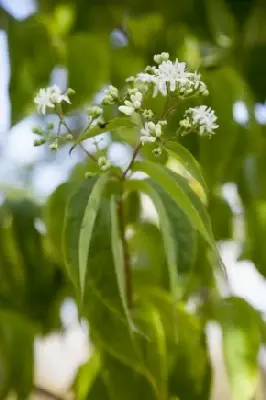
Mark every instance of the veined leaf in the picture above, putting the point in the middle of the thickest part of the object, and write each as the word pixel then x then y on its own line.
pixel 102 305
pixel 181 154
pixel 167 233
pixel 183 232
pixel 87 226
pixel 117 251
pixel 73 218
pixel 172 186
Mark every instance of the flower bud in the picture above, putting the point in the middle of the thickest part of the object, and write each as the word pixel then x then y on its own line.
pixel 69 136
pixel 148 114
pixel 53 146
pixel 39 142
pixel 37 130
pixel 95 111
pixel 157 152
pixel 50 126
pixel 89 174
pixel 70 91
pixel 162 123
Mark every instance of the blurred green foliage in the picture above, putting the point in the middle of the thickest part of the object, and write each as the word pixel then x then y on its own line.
pixel 101 42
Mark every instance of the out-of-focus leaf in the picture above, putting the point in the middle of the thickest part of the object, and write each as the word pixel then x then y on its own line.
pixel 88 58
pixel 29 44
pixel 241 340
pixel 16 354
pixel 54 214
pixel 189 364
pixel 143 29
pixel 147 255
pixel 221 217
pixel 125 62
pixel 86 377
pixel 221 22
pixel 226 87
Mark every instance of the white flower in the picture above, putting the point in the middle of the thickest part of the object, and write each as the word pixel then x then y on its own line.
pixel 49 97
pixel 170 75
pixel 151 132
pixel 202 117
pixel 131 106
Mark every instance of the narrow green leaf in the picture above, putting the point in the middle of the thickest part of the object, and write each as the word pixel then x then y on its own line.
pixel 181 154
pixel 117 251
pixel 166 179
pixel 167 233
pixel 73 218
pixel 183 232
pixel 86 376
pixel 87 225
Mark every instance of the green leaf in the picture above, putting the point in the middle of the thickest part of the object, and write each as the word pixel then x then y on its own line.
pixel 86 377
pixel 73 219
pixel 241 341
pixel 16 354
pixel 171 184
pixel 182 232
pixel 88 57
pixel 122 381
pixel 181 154
pixel 54 213
pixel 102 304
pixel 118 257
pixel 147 255
pixel 167 233
pixel 90 214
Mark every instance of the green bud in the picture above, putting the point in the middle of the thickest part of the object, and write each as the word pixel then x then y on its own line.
pixel 95 111
pixel 69 136
pixel 38 142
pixel 70 91
pixel 50 126
pixel 157 152
pixel 37 130
pixel 89 174
pixel 53 146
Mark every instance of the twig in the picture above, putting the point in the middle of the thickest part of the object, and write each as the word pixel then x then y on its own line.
pixel 45 392
pixel 135 153
pixel 126 257
pixel 170 109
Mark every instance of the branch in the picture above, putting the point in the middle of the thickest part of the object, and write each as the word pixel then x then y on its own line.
pixel 135 153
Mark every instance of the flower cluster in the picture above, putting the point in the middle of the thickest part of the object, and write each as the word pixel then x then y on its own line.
pixel 200 118
pixel 172 77
pixel 49 97
pixel 104 164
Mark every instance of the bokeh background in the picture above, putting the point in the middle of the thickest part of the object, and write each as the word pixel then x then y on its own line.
pixel 86 45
